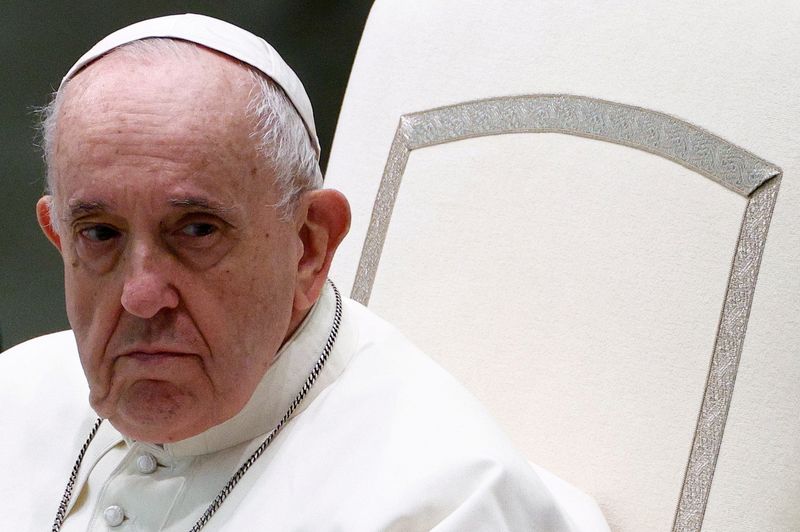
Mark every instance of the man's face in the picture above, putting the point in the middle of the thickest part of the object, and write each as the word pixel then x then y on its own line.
pixel 179 272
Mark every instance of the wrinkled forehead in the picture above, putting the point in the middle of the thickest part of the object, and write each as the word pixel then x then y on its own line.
pixel 216 35
pixel 156 125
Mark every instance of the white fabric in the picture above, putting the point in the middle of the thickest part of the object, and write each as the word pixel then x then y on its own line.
pixel 593 274
pixel 386 441
pixel 220 36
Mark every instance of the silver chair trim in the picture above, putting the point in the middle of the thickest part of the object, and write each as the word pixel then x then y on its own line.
pixel 643 129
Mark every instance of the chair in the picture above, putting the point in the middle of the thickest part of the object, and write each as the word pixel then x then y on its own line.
pixel 588 213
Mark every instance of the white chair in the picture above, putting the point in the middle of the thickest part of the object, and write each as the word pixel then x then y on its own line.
pixel 566 203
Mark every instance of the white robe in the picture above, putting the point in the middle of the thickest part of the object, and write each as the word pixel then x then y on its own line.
pixel 385 441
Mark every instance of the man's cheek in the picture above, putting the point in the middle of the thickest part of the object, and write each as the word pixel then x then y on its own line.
pixel 93 328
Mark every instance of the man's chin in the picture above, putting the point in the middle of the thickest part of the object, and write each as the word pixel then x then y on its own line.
pixel 157 412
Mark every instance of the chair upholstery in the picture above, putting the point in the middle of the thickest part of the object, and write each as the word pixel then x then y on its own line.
pixel 588 212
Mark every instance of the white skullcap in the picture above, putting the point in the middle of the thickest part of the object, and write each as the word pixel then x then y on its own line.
pixel 220 36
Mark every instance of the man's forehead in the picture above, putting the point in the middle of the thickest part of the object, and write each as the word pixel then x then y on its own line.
pixel 121 196
pixel 215 35
pixel 157 66
pixel 125 121
pixel 181 91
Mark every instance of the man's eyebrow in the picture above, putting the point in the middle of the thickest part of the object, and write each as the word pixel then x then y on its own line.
pixel 82 208
pixel 201 203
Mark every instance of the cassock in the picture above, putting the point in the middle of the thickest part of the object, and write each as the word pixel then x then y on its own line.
pixel 385 440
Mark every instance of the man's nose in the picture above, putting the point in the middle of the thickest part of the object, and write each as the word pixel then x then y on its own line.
pixel 148 281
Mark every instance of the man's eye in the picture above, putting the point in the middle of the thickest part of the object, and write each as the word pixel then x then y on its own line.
pixel 99 233
pixel 199 229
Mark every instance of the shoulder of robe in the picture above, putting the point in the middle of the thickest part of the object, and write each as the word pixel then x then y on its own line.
pixel 396 443
pixel 43 388
pixel 41 367
pixel 45 417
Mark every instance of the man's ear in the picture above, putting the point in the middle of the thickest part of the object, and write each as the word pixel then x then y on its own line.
pixel 44 213
pixel 323 221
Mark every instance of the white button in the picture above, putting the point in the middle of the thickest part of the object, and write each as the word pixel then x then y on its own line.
pixel 114 515
pixel 146 463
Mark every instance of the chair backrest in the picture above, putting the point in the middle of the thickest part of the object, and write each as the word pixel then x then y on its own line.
pixel 588 212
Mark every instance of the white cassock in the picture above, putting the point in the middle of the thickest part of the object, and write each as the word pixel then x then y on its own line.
pixel 385 441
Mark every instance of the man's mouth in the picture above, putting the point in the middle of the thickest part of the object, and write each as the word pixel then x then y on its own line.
pixel 155 356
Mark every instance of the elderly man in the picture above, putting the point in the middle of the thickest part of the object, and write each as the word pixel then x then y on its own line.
pixel 229 385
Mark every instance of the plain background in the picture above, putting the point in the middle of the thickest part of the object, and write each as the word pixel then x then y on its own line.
pixel 39 42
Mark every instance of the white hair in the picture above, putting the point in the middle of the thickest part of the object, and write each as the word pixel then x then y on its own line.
pixel 279 134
